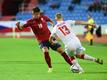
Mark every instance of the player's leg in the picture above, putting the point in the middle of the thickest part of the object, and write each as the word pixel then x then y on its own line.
pixel 88 57
pixel 46 56
pixel 79 54
pixel 57 47
pixel 69 59
pixel 76 64
pixel 73 62
pixel 70 52
pixel 44 47
pixel 65 56
pixel 91 40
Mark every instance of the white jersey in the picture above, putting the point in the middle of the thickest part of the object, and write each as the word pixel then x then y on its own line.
pixel 63 30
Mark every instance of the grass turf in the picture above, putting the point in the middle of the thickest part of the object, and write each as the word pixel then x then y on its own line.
pixel 21 59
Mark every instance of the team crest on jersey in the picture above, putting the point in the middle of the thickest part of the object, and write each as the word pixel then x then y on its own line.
pixel 42 19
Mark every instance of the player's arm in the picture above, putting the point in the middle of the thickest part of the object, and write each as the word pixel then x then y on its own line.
pixel 22 26
pixel 82 23
pixel 77 22
pixel 19 26
pixel 49 20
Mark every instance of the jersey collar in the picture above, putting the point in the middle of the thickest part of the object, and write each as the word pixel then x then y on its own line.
pixel 59 22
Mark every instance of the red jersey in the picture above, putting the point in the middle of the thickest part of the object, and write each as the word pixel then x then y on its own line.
pixel 39 27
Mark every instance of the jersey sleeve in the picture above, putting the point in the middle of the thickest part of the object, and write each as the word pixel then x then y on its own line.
pixel 28 23
pixel 47 18
pixel 71 22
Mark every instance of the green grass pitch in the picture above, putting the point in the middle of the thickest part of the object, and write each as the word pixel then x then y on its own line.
pixel 21 59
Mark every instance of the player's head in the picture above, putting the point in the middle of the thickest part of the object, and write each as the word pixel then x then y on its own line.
pixel 36 12
pixel 58 17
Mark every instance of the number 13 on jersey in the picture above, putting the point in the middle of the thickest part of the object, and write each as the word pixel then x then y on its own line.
pixel 64 30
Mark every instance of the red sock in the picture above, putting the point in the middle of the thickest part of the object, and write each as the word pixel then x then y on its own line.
pixel 66 57
pixel 47 59
pixel 72 58
pixel 82 56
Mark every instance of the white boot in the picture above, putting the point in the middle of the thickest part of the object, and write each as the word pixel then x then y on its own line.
pixel 50 70
pixel 76 67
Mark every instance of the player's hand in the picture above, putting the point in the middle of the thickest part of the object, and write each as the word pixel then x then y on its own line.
pixel 53 42
pixel 18 26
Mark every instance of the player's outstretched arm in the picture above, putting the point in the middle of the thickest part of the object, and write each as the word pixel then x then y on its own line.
pixel 82 23
pixel 20 27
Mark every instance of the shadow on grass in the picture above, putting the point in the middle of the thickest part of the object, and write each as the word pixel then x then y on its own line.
pixel 20 62
pixel 94 72
pixel 27 62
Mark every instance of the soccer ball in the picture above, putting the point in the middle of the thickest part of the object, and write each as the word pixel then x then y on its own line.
pixel 74 69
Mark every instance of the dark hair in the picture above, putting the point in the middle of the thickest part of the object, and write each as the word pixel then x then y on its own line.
pixel 58 15
pixel 36 9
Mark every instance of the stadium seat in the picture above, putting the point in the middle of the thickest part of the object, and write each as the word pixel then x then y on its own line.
pixel 79 12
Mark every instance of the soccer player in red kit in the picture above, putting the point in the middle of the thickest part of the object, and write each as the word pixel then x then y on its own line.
pixel 39 26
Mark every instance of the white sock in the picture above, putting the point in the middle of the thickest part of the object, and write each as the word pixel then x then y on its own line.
pixel 87 57
pixel 75 62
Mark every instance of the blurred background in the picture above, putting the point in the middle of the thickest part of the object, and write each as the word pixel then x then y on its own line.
pixel 20 10
pixel 20 55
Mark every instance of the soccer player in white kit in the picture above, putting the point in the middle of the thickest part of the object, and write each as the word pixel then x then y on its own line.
pixel 63 30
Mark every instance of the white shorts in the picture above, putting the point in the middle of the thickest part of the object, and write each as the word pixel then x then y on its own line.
pixel 74 47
